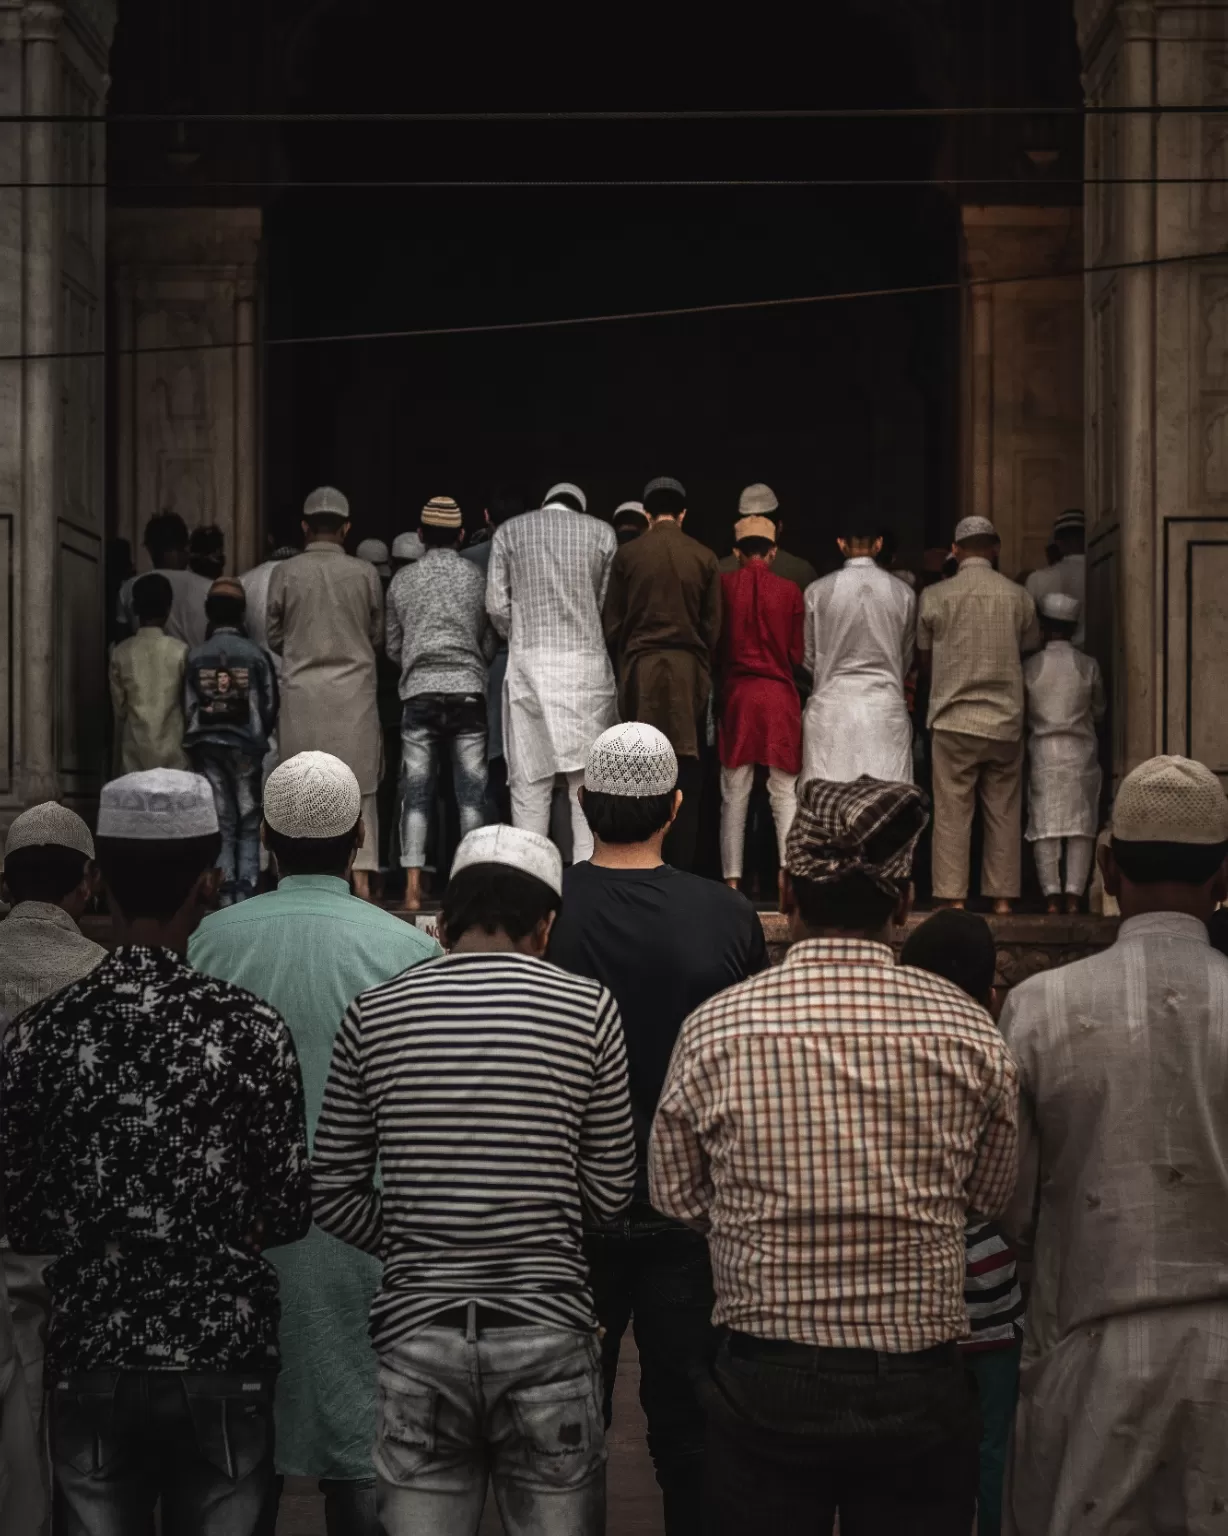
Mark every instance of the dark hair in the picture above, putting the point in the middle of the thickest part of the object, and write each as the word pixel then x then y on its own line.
pixel 664 502
pixel 152 596
pixel 44 873
pixel 625 818
pixel 493 896
pixel 208 542
pixel 504 504
pixel 858 525
pixel 1180 863
pixel 754 546
pixel 440 538
pixel 153 878
pixel 957 945
pixel 1072 539
pixel 1062 629
pixel 566 499
pixel 853 903
pixel 311 855
pixel 226 608
pixel 980 543
pixel 326 522
pixel 164 532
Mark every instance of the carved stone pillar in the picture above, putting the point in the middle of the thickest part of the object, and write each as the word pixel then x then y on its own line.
pixel 53 61
pixel 1157 373
pixel 186 290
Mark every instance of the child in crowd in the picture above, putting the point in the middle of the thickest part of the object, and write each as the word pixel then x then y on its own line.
pixel 959 946
pixel 230 705
pixel 147 684
pixel 1065 699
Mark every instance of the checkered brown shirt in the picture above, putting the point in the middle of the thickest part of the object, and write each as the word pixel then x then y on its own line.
pixel 829 1123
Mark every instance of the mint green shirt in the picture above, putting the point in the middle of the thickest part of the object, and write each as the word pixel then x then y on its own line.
pixel 309 948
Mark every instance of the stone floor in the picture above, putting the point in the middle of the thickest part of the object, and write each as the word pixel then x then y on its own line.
pixel 633 1500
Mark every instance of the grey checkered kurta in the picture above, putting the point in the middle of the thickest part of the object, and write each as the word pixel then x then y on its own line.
pixel 547 580
pixel 1123 1193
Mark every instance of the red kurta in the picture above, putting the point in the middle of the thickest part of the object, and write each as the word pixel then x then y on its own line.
pixel 762 640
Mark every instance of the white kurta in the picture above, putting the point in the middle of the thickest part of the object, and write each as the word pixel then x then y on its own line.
pixel 1069 576
pixel 860 631
pixel 1065 696
pixel 546 583
pixel 1123 1197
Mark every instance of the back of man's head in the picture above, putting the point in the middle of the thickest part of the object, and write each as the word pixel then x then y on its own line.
pixel 506 884
pixel 46 854
pixel 957 945
pixel 326 512
pixel 630 779
pixel 664 497
pixel 312 815
pixel 976 537
pixel 1069 531
pixel 207 551
pixel 226 603
pixel 848 856
pixel 157 836
pixel 152 597
pixel 1169 831
pixel 166 534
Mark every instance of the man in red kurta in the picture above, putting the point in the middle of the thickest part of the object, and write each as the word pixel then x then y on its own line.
pixel 761 715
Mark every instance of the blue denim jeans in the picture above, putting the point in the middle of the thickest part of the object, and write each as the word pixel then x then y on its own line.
pixel 430 721
pixel 235 779
pixel 518 1407
pixel 122 1440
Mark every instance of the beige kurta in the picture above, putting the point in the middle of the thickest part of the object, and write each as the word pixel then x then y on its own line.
pixel 326 620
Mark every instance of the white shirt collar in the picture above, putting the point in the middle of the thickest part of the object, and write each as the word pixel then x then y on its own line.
pixel 1173 925
pixel 859 560
pixel 975 560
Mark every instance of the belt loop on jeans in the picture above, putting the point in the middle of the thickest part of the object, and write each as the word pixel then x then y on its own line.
pixel 471 1323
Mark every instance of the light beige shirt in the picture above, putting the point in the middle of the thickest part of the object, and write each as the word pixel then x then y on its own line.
pixel 41 950
pixel 976 624
pixel 147 694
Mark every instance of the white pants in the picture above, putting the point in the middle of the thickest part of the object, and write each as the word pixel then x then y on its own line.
pixel 736 785
pixel 368 855
pixel 1048 854
pixel 531 810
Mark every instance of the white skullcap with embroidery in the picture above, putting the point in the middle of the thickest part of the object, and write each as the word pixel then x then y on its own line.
pixel 408 546
pixel 632 759
pixel 565 488
pixel 974 528
pixel 312 795
pixel 1170 800
pixel 757 500
pixel 158 805
pixel 1060 606
pixel 515 847
pixel 326 498
pixel 49 825
pixel 374 552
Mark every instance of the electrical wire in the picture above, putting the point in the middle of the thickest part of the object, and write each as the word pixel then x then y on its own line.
pixel 729 307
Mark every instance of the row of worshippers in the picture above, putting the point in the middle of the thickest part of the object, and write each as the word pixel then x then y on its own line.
pixel 567 1124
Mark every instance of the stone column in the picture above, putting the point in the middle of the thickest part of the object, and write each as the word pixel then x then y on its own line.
pixel 1156 229
pixel 186 291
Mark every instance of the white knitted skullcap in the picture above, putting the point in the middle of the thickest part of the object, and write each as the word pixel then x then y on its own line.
pixel 408 546
pixel 974 528
pixel 374 552
pixel 312 795
pixel 1060 606
pixel 565 488
pixel 49 825
pixel 631 506
pixel 757 500
pixel 327 498
pixel 518 848
pixel 158 805
pixel 631 759
pixel 1170 800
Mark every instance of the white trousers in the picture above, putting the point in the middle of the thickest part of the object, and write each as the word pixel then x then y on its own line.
pixel 1048 855
pixel 531 810
pixel 736 785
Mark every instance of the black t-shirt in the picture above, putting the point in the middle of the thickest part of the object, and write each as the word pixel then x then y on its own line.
pixel 663 942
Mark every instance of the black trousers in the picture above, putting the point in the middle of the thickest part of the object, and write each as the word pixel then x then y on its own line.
pixel 654 1273
pixel 796 1434
pixel 683 837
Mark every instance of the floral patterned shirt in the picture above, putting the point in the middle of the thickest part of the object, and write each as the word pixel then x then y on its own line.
pixel 150 1116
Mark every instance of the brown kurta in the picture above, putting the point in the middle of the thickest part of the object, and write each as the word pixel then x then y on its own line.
pixel 662 620
pixel 326 620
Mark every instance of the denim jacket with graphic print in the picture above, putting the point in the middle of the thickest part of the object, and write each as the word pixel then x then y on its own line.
pixel 229 693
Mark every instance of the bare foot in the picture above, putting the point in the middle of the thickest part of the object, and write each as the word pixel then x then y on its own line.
pixel 1003 906
pixel 955 903
pixel 412 900
pixel 733 884
pixel 1072 903
pixel 1052 905
pixel 362 884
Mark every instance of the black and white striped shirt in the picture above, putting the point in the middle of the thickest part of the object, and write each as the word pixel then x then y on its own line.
pixel 492 1091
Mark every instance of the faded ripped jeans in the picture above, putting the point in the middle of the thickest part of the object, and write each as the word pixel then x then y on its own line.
pixel 519 1407
pixel 235 778
pixel 122 1440
pixel 429 723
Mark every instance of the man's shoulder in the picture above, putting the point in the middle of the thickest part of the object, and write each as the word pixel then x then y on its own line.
pixel 508 978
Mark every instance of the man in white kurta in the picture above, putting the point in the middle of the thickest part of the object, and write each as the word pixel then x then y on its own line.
pixel 1069 575
pixel 860 626
pixel 1122 1425
pixel 1065 701
pixel 546 583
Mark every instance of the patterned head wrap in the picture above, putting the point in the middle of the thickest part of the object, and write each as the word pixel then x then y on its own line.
pixel 868 827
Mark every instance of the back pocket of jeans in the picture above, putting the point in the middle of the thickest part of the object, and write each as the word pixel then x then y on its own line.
pixel 559 1426
pixel 233 1422
pixel 407 1413
pixel 83 1429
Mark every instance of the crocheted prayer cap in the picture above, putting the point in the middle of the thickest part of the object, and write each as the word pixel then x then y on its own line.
pixel 868 827
pixel 158 805
pixel 1170 800
pixel 757 500
pixel 407 546
pixel 515 847
pixel 326 499
pixel 565 488
pixel 754 528
pixel 441 512
pixel 632 759
pixel 1060 606
pixel 49 825
pixel 1070 521
pixel 312 795
pixel 974 528
pixel 374 552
